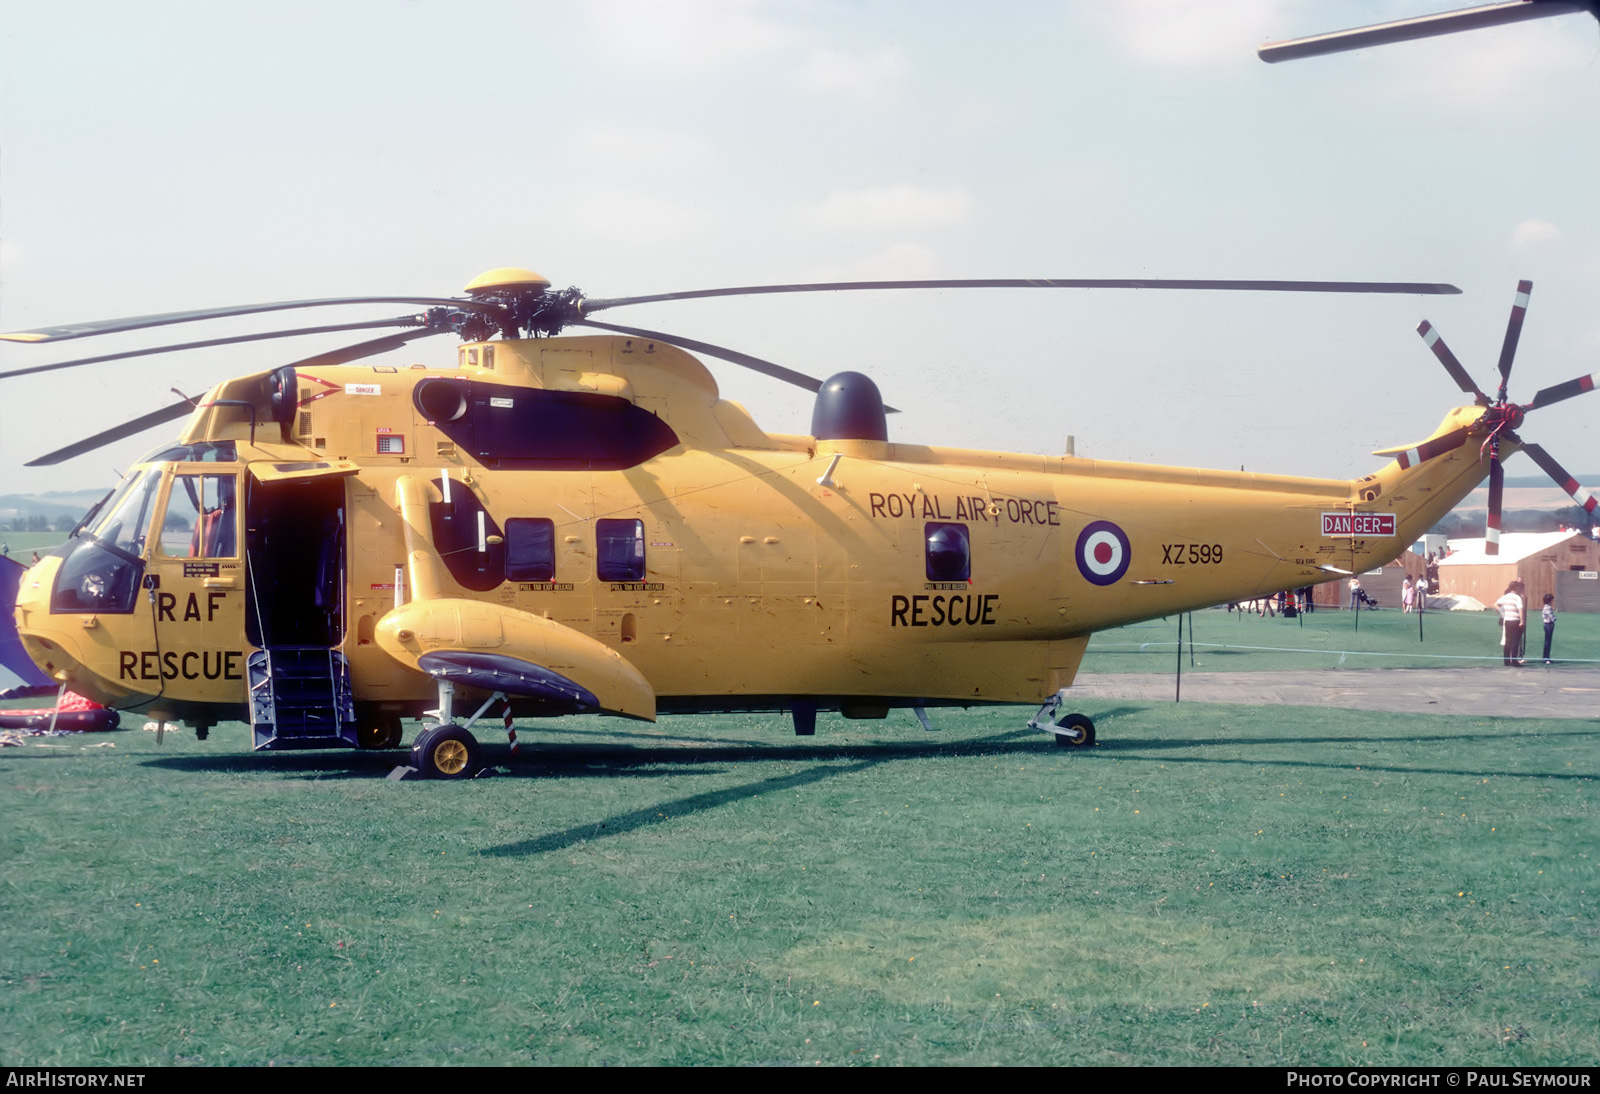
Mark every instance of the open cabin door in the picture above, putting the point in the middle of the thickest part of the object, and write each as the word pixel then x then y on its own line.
pixel 295 547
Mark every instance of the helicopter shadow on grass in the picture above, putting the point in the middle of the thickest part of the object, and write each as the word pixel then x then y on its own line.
pixel 859 758
pixel 367 766
pixel 1159 749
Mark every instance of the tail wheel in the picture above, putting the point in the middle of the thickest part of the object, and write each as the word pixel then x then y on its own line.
pixel 447 752
pixel 1079 732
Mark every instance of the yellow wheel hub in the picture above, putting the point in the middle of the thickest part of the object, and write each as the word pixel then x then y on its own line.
pixel 450 757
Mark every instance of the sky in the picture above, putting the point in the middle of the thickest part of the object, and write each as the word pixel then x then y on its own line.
pixel 166 156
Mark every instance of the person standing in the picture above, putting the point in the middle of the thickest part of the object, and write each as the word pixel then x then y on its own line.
pixel 1408 595
pixel 1549 624
pixel 1510 607
pixel 1355 592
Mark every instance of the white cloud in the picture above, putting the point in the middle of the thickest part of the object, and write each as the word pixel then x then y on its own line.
pixel 617 146
pixel 1531 233
pixel 896 262
pixel 621 213
pixel 1191 33
pixel 889 208
pixel 873 75
pixel 688 35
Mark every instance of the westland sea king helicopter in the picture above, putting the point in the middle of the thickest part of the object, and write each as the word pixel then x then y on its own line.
pixel 556 524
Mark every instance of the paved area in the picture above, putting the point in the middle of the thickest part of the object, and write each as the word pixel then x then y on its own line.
pixel 1529 692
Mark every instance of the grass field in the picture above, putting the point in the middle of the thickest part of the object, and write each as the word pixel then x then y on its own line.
pixel 1211 884
pixel 1243 642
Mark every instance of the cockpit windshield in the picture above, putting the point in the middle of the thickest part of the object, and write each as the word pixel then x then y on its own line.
pixel 126 518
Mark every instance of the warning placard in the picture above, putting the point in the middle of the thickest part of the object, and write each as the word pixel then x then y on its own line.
pixel 1358 524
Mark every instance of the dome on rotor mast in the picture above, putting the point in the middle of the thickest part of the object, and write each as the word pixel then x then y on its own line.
pixel 502 278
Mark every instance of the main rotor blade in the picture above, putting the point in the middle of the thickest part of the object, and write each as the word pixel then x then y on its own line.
pixel 1039 283
pixel 1508 349
pixel 340 356
pixel 141 322
pixel 1557 392
pixel 371 324
pixel 114 434
pixel 1497 486
pixel 1430 335
pixel 356 352
pixel 1585 499
pixel 1425 26
pixel 766 368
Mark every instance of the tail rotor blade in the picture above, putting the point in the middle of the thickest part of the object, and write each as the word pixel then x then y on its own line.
pixel 1497 483
pixel 1430 335
pixel 1557 392
pixel 1585 500
pixel 1508 349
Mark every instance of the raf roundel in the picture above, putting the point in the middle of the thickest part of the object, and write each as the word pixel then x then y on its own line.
pixel 1103 553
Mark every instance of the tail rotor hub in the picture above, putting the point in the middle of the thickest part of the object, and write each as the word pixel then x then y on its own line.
pixel 1502 417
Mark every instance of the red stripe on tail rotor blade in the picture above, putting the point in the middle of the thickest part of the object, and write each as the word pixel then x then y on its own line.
pixel 1508 350
pixel 1561 476
pixel 1491 531
pixel 1558 392
pixel 1430 335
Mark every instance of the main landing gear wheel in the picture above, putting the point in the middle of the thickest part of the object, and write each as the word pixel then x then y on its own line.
pixel 447 752
pixel 1080 732
pixel 378 731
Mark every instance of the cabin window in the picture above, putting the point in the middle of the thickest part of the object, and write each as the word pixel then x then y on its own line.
pixel 466 536
pixel 949 556
pixel 619 550
pixel 530 549
pixel 199 521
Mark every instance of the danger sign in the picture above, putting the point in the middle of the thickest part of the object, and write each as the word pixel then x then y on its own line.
pixel 1358 524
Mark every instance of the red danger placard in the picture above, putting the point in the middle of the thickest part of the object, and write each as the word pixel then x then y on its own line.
pixel 1358 524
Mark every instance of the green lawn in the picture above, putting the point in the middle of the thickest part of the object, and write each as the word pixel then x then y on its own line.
pixel 1212 884
pixel 1243 642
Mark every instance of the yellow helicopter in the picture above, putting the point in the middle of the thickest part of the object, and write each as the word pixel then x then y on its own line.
pixel 558 524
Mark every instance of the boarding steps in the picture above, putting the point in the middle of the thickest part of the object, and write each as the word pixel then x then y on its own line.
pixel 300 698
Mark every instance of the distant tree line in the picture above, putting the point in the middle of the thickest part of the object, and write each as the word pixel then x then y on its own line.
pixel 1471 525
pixel 38 522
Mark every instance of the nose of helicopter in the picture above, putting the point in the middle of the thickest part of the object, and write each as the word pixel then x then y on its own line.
pixel 45 649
